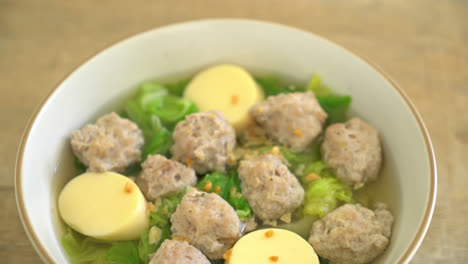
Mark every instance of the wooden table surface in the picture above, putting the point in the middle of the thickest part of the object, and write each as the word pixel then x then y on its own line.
pixel 422 44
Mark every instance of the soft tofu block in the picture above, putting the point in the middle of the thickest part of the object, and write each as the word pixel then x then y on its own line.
pixel 228 88
pixel 106 206
pixel 268 246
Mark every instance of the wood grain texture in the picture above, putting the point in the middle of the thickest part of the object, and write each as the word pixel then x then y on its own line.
pixel 422 44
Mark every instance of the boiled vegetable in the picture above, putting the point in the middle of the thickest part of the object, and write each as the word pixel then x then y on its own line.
pixel 161 219
pixel 317 87
pixel 177 88
pixel 323 191
pixel 227 185
pixel 124 252
pixel 272 85
pixel 298 161
pixel 156 112
pixel 335 105
pixel 84 249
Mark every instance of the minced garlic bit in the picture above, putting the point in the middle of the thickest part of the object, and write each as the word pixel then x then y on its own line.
pixel 95 144
pixel 232 159
pixel 217 189
pixel 358 185
pixel 189 162
pixel 154 235
pixel 298 132
pixel 207 186
pixel 128 187
pixel 286 218
pixel 150 207
pixel 157 202
pixel 234 193
pixel 183 239
pixel 300 169
pixel 227 255
pixel 275 150
pixel 274 258
pixel 312 177
pixel 200 156
pixel 270 222
pixel 234 99
pixel 269 233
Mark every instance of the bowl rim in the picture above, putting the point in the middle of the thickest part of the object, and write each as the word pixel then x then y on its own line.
pixel 41 248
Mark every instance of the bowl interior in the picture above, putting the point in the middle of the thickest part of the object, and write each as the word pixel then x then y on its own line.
pixel 102 83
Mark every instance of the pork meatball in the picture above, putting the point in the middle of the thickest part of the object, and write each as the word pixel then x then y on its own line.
pixel 204 141
pixel 112 144
pixel 270 188
pixel 353 150
pixel 160 177
pixel 178 252
pixel 293 119
pixel 352 234
pixel 207 221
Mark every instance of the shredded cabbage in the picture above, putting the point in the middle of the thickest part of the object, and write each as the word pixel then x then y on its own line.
pixel 145 248
pixel 161 219
pixel 325 194
pixel 335 105
pixel 323 260
pixel 297 162
pixel 272 86
pixel 156 111
pixel 124 252
pixel 177 88
pixel 83 249
pixel 80 168
pixel 317 87
pixel 228 187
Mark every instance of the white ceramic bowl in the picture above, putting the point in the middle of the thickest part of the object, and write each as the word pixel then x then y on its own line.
pixel 408 182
